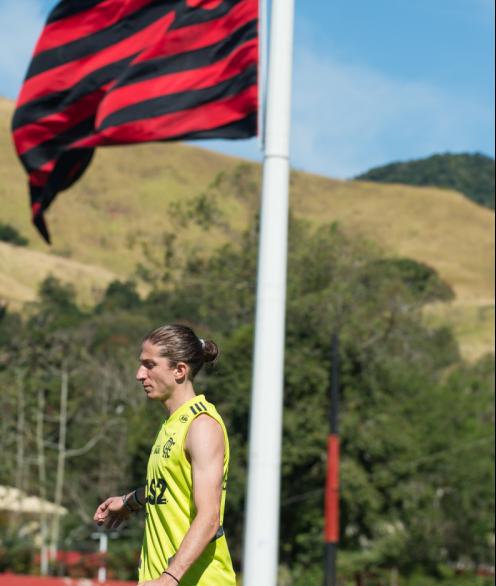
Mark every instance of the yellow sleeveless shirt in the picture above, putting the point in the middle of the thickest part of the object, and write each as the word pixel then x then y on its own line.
pixel 170 507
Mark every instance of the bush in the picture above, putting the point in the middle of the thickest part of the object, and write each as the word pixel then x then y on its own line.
pixel 11 235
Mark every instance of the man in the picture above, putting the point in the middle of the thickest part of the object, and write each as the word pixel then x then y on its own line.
pixel 185 491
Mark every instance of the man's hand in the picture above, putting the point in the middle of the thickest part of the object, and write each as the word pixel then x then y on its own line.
pixel 111 513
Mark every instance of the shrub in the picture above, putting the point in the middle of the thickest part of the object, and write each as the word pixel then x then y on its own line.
pixel 11 235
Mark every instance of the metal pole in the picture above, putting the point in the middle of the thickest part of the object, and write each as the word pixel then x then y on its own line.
pixel 263 496
pixel 332 483
pixel 334 411
pixel 102 548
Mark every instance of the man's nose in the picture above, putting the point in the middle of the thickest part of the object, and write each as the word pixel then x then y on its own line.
pixel 141 373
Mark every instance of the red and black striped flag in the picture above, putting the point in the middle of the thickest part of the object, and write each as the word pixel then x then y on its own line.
pixel 126 71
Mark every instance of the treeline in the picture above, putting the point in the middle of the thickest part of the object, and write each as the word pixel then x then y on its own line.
pixel 417 422
pixel 470 174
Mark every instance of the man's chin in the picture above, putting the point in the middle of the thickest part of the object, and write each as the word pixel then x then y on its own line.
pixel 153 397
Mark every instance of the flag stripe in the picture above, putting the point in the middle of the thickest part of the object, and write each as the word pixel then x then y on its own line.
pixel 73 27
pixel 45 129
pixel 64 77
pixel 203 76
pixel 195 37
pixel 47 151
pixel 179 124
pixel 181 101
pixel 192 16
pixel 239 129
pixel 39 177
pixel 98 41
pixel 52 103
pixel 68 8
pixel 193 59
pixel 116 32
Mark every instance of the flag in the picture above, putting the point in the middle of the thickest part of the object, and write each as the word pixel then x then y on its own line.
pixel 110 72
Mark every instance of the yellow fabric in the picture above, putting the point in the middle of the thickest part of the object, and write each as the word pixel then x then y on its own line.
pixel 170 507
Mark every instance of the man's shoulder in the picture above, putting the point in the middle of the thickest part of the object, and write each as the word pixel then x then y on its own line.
pixel 205 435
pixel 205 423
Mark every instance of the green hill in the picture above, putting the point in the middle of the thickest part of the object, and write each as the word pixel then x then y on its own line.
pixel 136 200
pixel 470 174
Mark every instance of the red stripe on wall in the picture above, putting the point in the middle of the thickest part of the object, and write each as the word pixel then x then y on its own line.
pixel 86 23
pixel 332 491
pixel 18 580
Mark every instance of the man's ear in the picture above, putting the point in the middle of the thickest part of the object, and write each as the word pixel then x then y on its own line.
pixel 181 372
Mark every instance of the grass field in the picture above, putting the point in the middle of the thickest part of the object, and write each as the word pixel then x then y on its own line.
pixel 127 198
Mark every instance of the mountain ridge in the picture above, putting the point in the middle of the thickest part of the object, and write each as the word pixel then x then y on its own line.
pixel 469 173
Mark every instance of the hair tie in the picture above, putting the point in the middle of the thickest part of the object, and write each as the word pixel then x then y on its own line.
pixel 202 342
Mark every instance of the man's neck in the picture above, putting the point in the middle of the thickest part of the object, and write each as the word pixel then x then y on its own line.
pixel 181 394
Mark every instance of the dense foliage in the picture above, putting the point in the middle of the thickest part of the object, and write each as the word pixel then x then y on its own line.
pixel 417 423
pixel 470 174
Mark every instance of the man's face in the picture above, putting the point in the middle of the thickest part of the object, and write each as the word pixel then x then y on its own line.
pixel 155 373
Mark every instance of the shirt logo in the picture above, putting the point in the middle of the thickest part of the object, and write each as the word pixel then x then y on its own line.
pixel 166 450
pixel 184 419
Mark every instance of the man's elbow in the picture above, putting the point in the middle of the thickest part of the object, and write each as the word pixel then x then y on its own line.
pixel 211 523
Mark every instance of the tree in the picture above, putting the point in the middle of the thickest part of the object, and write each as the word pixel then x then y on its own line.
pixel 411 409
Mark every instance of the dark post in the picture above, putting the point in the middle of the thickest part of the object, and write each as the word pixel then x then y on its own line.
pixel 332 483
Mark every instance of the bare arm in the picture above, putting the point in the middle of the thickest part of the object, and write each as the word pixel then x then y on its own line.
pixel 205 446
pixel 117 509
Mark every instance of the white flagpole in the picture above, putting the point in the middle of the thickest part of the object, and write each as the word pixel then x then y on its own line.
pixel 263 498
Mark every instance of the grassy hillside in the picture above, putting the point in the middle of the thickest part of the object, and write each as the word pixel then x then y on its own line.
pixel 470 174
pixel 22 269
pixel 131 195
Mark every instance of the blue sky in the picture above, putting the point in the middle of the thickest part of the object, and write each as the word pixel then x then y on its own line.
pixel 374 81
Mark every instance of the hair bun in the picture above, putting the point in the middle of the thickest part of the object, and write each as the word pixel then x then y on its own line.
pixel 210 351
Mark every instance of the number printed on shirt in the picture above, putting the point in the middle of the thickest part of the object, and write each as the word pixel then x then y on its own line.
pixel 155 492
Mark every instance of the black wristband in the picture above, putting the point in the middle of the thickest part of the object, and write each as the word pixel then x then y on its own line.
pixel 127 505
pixel 169 574
pixel 137 499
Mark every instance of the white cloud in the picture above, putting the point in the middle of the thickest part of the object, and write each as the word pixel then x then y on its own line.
pixel 20 24
pixel 349 118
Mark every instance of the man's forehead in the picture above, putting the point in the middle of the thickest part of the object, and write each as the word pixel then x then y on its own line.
pixel 149 352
